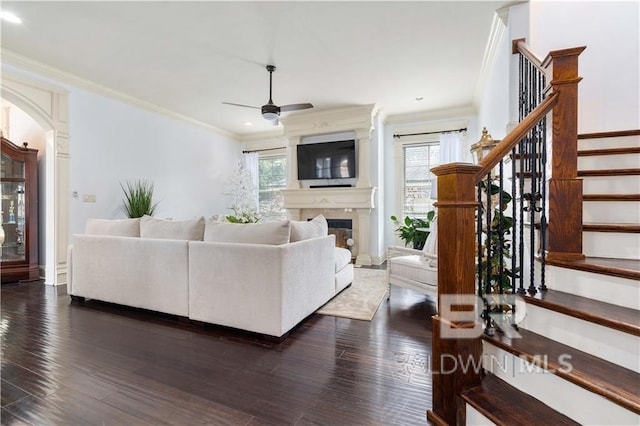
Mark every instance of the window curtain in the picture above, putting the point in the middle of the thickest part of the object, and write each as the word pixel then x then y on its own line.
pixel 452 148
pixel 251 164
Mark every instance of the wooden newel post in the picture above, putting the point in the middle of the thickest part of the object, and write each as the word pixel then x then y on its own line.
pixel 454 358
pixel 565 189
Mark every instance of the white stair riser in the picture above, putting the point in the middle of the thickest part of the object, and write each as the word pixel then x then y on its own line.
pixel 611 185
pixel 563 396
pixel 611 345
pixel 475 418
pixel 617 142
pixel 615 290
pixel 625 184
pixel 611 244
pixel 610 212
pixel 603 162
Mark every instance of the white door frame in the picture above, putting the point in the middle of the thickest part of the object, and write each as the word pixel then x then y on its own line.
pixel 48 105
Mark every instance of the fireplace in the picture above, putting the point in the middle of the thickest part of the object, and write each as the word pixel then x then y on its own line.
pixel 343 230
pixel 330 197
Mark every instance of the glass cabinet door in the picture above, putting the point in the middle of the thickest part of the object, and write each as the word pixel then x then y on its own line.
pixel 12 194
pixel 11 168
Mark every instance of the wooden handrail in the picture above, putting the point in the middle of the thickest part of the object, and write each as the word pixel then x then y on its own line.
pixel 512 139
pixel 521 47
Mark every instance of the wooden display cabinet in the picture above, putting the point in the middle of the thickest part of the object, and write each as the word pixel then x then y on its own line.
pixel 19 195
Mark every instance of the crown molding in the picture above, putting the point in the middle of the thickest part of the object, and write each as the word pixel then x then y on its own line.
pixel 441 114
pixel 330 120
pixel 498 28
pixel 277 134
pixel 31 65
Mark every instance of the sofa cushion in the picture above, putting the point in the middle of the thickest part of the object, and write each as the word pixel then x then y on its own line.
pixel 304 230
pixel 116 228
pixel 343 258
pixel 273 233
pixel 192 230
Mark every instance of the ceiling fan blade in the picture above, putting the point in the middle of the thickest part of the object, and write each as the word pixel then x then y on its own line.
pixel 295 107
pixel 241 105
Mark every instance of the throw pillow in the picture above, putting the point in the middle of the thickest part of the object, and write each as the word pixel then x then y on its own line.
pixel 273 233
pixel 304 230
pixel 192 230
pixel 116 228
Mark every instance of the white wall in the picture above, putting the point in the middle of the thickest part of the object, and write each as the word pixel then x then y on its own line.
pixel 609 92
pixel 112 142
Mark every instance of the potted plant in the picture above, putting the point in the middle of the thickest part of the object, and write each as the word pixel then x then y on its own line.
pixel 495 274
pixel 414 230
pixel 138 199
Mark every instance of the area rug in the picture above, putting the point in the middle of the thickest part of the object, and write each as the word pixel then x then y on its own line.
pixel 361 300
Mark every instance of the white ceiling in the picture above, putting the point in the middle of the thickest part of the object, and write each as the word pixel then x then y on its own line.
pixel 188 57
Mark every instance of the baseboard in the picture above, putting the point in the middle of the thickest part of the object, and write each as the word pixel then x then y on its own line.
pixel 61 289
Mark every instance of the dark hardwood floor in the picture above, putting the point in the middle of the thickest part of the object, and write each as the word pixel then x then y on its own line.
pixel 98 363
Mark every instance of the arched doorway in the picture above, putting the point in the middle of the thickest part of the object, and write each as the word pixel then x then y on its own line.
pixel 48 105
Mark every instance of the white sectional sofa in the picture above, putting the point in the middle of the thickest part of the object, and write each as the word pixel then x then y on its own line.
pixel 263 278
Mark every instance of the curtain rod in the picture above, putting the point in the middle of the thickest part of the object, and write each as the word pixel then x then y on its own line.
pixel 463 129
pixel 260 150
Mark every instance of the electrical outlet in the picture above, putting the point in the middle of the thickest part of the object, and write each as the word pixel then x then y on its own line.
pixel 89 198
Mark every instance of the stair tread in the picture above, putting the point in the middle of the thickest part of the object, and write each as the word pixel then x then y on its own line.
pixel 611 197
pixel 496 399
pixel 618 384
pixel 609 151
pixel 609 172
pixel 616 317
pixel 624 268
pixel 611 227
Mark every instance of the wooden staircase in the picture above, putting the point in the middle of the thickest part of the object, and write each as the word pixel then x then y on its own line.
pixel 578 361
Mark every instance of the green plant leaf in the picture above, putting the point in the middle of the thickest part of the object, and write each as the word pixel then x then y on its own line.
pixel 138 199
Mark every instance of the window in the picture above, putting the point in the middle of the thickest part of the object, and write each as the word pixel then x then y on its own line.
pixel 416 194
pixel 272 177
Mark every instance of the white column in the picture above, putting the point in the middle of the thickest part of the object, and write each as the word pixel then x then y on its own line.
pixel 61 227
pixel 364 158
pixel 364 232
pixel 292 163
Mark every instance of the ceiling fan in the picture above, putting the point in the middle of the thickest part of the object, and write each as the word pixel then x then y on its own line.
pixel 271 111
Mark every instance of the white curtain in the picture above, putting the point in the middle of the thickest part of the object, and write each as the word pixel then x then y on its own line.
pixel 250 163
pixel 452 148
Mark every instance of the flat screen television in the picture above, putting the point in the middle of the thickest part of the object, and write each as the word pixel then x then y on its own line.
pixel 327 160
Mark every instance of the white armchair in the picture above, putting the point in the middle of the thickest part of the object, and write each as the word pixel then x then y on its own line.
pixel 415 269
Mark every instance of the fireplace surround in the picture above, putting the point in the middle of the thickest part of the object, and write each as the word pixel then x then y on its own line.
pixel 334 200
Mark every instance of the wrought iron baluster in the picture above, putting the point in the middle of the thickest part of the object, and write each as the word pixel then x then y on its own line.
pixel 488 329
pixel 514 211
pixel 522 149
pixel 500 218
pixel 543 208
pixel 479 251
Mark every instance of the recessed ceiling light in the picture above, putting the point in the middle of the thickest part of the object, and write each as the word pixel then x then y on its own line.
pixel 419 98
pixel 248 123
pixel 10 17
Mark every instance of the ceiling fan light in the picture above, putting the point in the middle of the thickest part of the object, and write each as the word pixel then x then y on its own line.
pixel 270 115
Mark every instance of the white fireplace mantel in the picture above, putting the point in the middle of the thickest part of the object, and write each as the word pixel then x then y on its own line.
pixel 356 201
pixel 329 198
